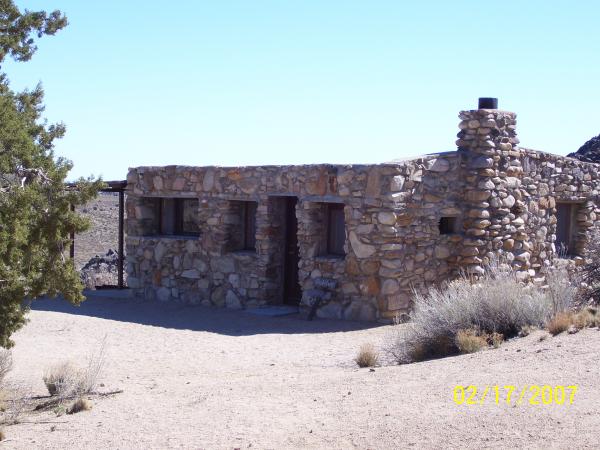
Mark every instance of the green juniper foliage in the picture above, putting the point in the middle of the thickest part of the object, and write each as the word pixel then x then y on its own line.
pixel 35 214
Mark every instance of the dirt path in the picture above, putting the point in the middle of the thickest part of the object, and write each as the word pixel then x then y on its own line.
pixel 203 378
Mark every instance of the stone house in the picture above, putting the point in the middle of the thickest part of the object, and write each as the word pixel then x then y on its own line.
pixel 357 239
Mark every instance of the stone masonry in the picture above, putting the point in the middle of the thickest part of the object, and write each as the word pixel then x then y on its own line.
pixel 408 224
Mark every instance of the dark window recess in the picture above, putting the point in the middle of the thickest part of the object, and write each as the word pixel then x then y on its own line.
pixel 249 225
pixel 178 216
pixel 566 228
pixel 336 229
pixel 449 225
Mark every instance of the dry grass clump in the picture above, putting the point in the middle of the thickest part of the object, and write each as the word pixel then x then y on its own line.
pixel 65 380
pixel 81 404
pixel 473 340
pixel 470 341
pixel 587 317
pixel 559 323
pixel 495 303
pixel 367 356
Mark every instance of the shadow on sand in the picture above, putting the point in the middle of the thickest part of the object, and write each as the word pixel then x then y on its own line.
pixel 116 305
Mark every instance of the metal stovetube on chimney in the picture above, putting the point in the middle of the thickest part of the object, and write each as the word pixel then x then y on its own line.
pixel 488 103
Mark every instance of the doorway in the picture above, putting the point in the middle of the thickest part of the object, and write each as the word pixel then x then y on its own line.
pixel 566 228
pixel 291 288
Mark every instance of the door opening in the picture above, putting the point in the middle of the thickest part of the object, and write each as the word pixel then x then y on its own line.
pixel 291 288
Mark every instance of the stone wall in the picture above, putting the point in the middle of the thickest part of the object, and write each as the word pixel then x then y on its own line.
pixel 511 195
pixel 392 239
pixel 495 198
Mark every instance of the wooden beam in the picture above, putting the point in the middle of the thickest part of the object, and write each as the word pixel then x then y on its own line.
pixel 121 230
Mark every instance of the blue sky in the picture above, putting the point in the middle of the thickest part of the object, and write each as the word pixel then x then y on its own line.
pixel 292 82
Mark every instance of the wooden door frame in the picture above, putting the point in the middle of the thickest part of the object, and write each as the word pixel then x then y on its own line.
pixel 290 201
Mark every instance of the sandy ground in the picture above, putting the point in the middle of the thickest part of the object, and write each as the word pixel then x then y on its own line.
pixel 204 378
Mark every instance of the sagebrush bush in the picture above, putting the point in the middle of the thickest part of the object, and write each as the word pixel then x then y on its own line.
pixel 16 399
pixel 62 380
pixel 6 363
pixel 495 303
pixel 561 289
pixel 367 356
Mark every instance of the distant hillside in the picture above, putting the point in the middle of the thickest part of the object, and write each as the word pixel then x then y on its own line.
pixel 103 234
pixel 588 152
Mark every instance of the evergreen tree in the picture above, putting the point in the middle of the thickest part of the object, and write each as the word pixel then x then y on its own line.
pixel 35 213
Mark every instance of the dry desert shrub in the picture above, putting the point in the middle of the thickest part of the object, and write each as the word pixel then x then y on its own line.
pixel 81 404
pixel 16 401
pixel 473 340
pixel 496 339
pixel 587 317
pixel 584 318
pixel 561 289
pixel 367 356
pixel 590 272
pixel 495 303
pixel 62 380
pixel 95 365
pixel 470 341
pixel 6 363
pixel 65 380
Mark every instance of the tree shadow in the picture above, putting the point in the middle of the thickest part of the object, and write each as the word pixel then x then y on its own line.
pixel 119 307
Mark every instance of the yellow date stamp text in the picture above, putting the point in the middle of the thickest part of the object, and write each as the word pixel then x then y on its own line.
pixel 511 395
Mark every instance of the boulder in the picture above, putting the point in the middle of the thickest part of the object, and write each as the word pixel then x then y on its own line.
pixel 439 165
pixel 482 162
pixel 390 286
pixel 232 301
pixel 386 218
pixel 361 250
pixel 101 271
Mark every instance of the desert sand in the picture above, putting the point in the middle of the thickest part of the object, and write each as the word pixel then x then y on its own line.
pixel 194 377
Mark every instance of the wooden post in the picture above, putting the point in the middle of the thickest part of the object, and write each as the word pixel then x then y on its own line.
pixel 72 237
pixel 121 220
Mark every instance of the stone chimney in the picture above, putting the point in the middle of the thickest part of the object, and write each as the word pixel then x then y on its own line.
pixel 494 214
